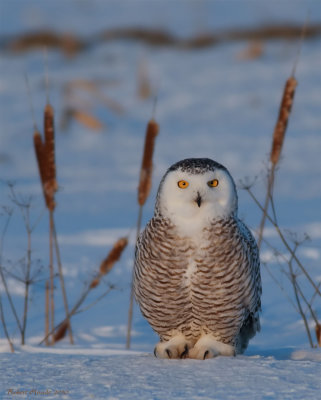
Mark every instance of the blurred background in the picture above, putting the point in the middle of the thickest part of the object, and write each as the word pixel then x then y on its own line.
pixel 218 69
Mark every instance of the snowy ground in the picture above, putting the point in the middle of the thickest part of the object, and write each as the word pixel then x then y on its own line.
pixel 210 104
pixel 141 376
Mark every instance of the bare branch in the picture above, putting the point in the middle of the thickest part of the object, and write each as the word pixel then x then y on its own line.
pixel 286 244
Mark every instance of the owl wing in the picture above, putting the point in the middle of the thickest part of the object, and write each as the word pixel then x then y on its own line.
pixel 251 322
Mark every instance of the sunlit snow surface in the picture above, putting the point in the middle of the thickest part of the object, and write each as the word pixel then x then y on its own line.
pixel 210 104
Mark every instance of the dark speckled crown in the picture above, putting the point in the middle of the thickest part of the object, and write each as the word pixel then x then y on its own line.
pixel 196 166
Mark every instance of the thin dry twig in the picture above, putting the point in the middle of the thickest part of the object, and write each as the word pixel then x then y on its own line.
pixel 47 301
pixel 286 244
pixel 3 278
pixel 297 298
pixel 2 318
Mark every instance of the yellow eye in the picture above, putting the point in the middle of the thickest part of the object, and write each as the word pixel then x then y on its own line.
pixel 182 184
pixel 213 183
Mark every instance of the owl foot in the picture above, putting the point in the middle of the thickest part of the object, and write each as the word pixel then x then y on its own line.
pixel 208 347
pixel 177 347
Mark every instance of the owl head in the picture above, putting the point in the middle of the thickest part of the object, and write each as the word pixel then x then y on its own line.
pixel 196 191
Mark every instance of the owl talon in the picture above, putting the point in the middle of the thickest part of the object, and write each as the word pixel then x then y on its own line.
pixel 176 347
pixel 208 347
pixel 185 352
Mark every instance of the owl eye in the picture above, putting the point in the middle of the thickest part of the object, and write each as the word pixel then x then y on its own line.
pixel 213 183
pixel 182 184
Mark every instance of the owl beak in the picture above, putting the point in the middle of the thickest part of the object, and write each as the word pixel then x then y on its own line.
pixel 198 199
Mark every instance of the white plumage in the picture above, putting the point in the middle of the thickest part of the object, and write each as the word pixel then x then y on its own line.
pixel 197 271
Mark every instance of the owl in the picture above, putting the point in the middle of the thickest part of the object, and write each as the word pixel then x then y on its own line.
pixel 197 270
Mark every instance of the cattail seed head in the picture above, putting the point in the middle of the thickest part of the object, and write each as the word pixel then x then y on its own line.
pixel 61 332
pixel 94 282
pixel 113 256
pixel 42 167
pixel 281 124
pixel 318 333
pixel 145 181
pixel 51 183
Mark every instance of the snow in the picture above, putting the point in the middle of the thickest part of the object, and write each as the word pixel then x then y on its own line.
pixel 129 375
pixel 210 104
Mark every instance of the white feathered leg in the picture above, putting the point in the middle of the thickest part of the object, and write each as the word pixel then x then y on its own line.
pixel 208 347
pixel 176 347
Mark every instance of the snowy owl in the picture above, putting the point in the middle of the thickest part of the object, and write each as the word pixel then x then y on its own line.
pixel 197 271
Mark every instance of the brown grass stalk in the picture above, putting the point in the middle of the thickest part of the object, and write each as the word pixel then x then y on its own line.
pixel 51 271
pixel 27 280
pixel 47 301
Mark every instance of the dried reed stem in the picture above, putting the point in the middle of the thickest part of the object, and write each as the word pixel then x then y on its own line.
pixel 47 314
pixel 277 144
pixel 51 270
pixel 27 281
pixel 62 284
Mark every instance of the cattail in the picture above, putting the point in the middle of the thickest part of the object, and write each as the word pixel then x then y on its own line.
pixel 95 282
pixel 318 333
pixel 51 183
pixel 113 256
pixel 40 155
pixel 61 332
pixel 144 88
pixel 145 181
pixel 87 120
pixel 108 263
pixel 284 113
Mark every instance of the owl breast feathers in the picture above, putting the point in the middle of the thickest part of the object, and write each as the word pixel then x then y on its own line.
pixel 197 271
